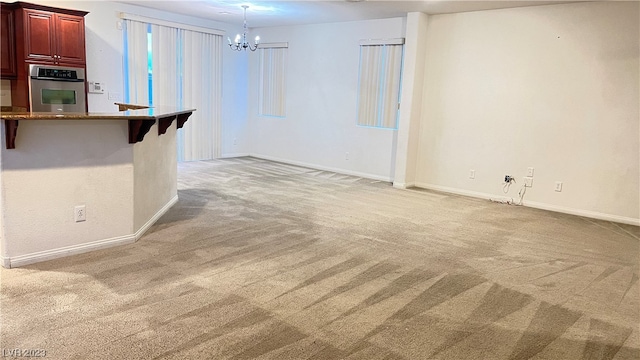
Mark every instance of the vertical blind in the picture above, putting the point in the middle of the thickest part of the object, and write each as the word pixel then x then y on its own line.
pixel 165 80
pixel 135 63
pixel 200 138
pixel 186 71
pixel 272 81
pixel 379 85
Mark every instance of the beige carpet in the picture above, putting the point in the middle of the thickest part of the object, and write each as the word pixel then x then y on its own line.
pixel 260 260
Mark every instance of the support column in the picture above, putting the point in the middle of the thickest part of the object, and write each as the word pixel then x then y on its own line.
pixel 411 101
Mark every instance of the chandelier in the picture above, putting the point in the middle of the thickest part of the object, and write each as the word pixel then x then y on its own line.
pixel 241 42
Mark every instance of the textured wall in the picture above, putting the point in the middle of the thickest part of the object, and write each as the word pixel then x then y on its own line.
pixel 60 164
pixel 550 87
pixel 155 174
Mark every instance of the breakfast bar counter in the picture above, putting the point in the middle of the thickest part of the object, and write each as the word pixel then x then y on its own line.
pixel 100 164
pixel 140 120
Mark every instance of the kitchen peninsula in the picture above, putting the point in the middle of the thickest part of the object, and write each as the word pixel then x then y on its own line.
pixel 120 168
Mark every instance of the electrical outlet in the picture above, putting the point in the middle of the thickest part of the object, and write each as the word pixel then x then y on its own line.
pixel 80 213
pixel 528 181
pixel 558 187
pixel 346 156
pixel 508 178
pixel 114 96
pixel 530 172
pixel 472 174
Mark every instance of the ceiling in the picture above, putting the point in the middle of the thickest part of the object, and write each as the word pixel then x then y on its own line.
pixel 280 13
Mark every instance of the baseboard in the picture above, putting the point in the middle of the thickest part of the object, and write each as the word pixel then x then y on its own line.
pixel 323 168
pixel 536 205
pixel 22 260
pixel 398 185
pixel 585 213
pixel 143 229
pixel 450 190
pixel 233 155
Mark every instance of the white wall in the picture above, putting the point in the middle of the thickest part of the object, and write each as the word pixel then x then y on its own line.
pixel 55 166
pixel 155 174
pixel 550 87
pixel 411 102
pixel 321 92
pixel 58 165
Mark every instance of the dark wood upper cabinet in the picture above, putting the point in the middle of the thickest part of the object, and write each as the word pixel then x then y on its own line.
pixel 49 35
pixel 70 41
pixel 39 42
pixel 39 34
pixel 7 44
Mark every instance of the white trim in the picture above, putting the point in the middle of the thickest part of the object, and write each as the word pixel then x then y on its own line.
pixel 323 168
pixel 455 191
pixel 368 42
pixel 234 155
pixel 536 205
pixel 5 262
pixel 154 21
pixel 585 213
pixel 155 218
pixel 273 45
pixel 22 260
pixel 399 185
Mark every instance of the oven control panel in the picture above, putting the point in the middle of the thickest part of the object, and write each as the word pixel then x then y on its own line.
pixel 56 73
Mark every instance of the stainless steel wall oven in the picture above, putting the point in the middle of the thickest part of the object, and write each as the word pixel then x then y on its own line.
pixel 57 89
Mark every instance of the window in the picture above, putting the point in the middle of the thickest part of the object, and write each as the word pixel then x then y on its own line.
pixel 272 79
pixel 177 65
pixel 379 83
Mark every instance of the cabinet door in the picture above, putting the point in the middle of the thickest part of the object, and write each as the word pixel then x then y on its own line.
pixel 7 44
pixel 39 40
pixel 70 39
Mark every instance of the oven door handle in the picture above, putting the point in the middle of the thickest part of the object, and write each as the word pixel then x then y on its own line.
pixel 55 79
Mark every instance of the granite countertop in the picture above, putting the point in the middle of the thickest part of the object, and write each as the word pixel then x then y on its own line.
pixel 151 113
pixel 140 119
